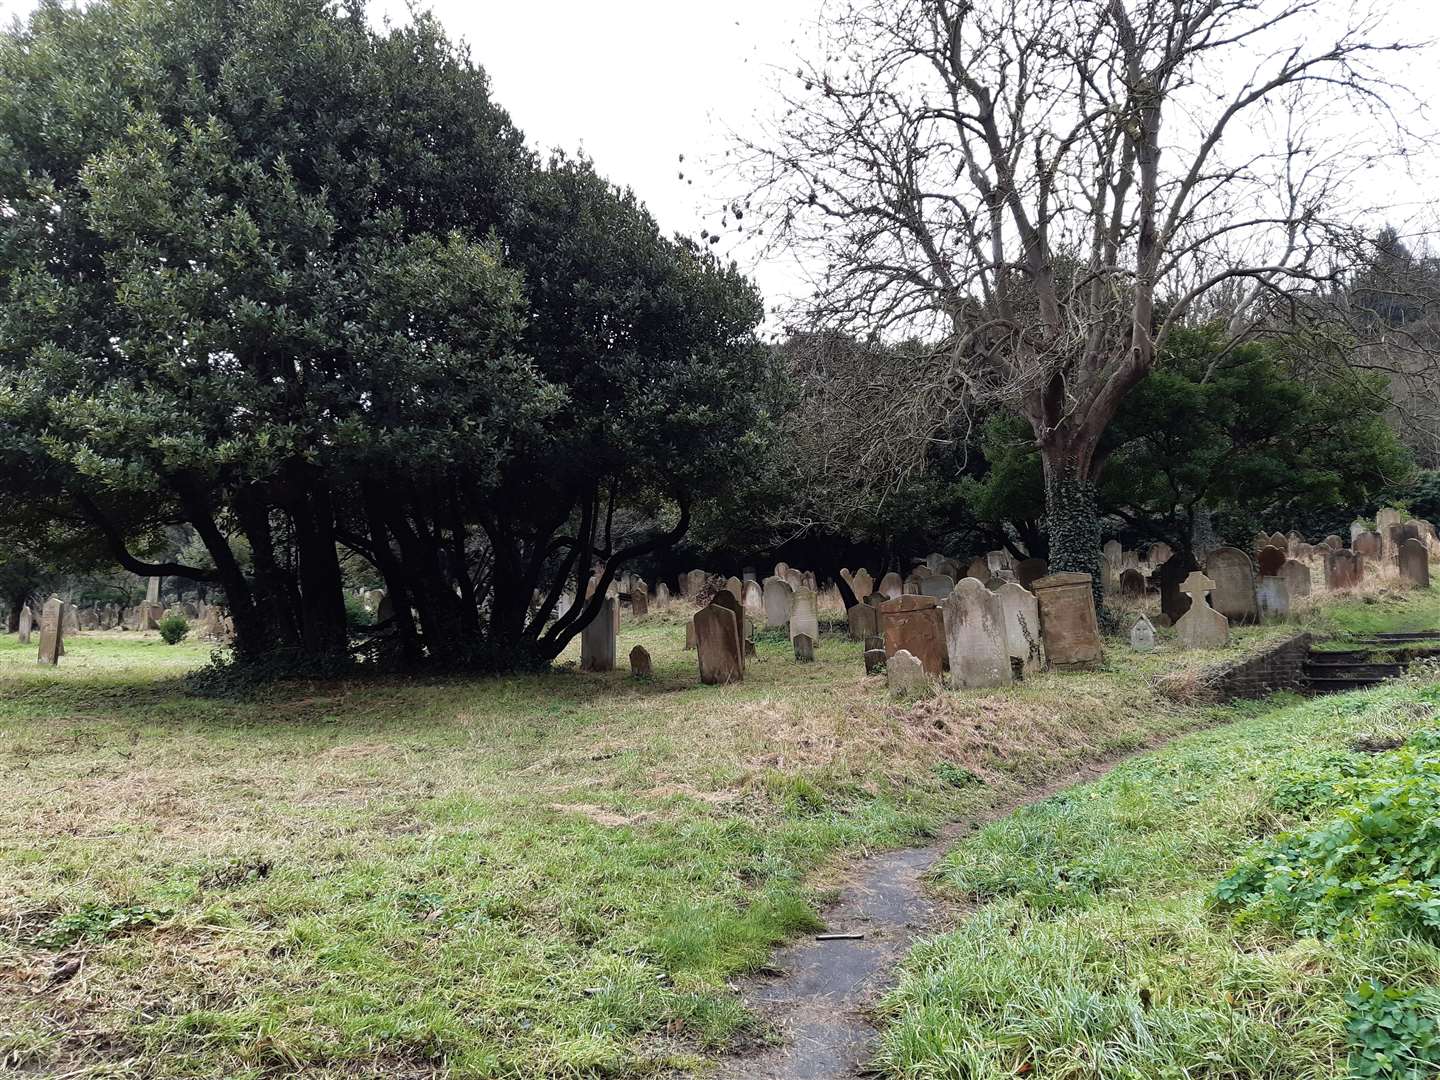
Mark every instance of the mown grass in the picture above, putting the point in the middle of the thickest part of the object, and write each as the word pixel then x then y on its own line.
pixel 1094 950
pixel 544 875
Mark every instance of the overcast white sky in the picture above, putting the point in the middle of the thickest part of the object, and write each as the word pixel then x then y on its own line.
pixel 636 83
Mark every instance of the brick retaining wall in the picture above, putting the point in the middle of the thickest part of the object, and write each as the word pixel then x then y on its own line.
pixel 1280 667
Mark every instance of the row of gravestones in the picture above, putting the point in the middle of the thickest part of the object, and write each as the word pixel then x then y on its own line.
pixel 210 624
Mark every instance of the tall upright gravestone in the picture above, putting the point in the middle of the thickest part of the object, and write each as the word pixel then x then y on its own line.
pixel 597 640
pixel 1067 621
pixel 1415 563
pixel 717 644
pixel 52 646
pixel 724 598
pixel 1343 570
pixel 777 597
pixel 1297 578
pixel 27 621
pixel 1022 626
pixel 975 637
pixel 805 615
pixel 1233 575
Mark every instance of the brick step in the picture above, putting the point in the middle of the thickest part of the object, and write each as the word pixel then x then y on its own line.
pixel 1353 669
pixel 1334 685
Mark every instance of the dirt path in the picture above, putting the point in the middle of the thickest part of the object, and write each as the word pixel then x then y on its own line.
pixel 821 998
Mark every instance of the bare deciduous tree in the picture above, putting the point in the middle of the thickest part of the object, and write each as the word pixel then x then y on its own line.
pixel 1044 188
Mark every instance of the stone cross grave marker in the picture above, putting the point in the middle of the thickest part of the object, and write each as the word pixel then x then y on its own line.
pixel 1201 627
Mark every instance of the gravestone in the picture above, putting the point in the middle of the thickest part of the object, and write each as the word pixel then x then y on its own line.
pixel 979 568
pixel 1029 571
pixel 1297 578
pixel 915 625
pixel 951 568
pixel 754 600
pixel 937 585
pixel 639 598
pixel 1367 545
pixel 1262 539
pixel 777 597
pixel 804 617
pixel 726 599
pixel 152 590
pixel 975 637
pixel 1067 621
pixel 1142 635
pixel 1270 560
pixel 640 666
pixel 1113 552
pixel 1343 570
pixel 1357 527
pixel 52 646
pixel 864 620
pixel 862 583
pixel 891 586
pixel 1272 595
pixel 933 561
pixel 904 673
pixel 1158 553
pixel 1292 541
pixel 781 569
pixel 1132 584
pixel 1333 542
pixel 1415 563
pixel 1021 612
pixel 662 596
pixel 696 581
pixel 736 588
pixel 910 587
pixel 1201 627
pixel 690 633
pixel 150 615
pixel 804 648
pixel 1277 539
pixel 597 640
pixel 1233 577
pixel 717 644
pixel 874 655
pixel 794 578
pixel 27 621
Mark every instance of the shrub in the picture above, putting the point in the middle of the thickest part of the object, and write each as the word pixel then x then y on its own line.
pixel 173 629
pixel 356 614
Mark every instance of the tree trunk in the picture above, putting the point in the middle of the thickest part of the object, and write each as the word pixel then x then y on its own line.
pixel 1072 515
pixel 322 587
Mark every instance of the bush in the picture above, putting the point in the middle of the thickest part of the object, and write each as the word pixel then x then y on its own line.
pixel 173 629
pixel 356 615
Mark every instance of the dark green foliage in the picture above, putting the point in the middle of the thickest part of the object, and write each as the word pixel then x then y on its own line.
pixel 1393 1033
pixel 97 921
pixel 173 629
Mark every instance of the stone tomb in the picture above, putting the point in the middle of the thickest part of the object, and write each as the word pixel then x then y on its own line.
pixel 1067 621
pixel 717 644
pixel 975 637
pixel 52 645
pixel 1233 581
pixel 1414 562
pixel 1022 626
pixel 914 624
pixel 1201 627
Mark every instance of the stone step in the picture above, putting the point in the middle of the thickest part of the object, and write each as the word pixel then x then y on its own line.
pixel 1353 669
pixel 1331 685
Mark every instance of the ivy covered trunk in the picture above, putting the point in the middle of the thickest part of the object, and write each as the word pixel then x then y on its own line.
pixel 1072 515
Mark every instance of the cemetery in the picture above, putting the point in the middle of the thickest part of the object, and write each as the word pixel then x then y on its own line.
pixel 932 581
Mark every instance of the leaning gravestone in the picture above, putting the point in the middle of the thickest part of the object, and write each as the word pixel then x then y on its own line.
pixel 937 585
pixel 1343 570
pixel 1415 563
pixel 640 666
pixel 1270 560
pixel 1067 621
pixel 804 648
pixel 1233 577
pixel 717 643
pixel 1142 635
pixel 51 631
pixel 690 633
pixel 724 598
pixel 975 637
pixel 914 624
pixel 27 620
pixel 864 620
pixel 1272 595
pixel 777 597
pixel 904 673
pixel 804 617
pixel 1297 578
pixel 1022 626
pixel 597 640
pixel 1201 627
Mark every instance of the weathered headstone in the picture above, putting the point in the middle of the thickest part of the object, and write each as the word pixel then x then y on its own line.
pixel 597 640
pixel 640 666
pixel 639 597
pixel 726 599
pixel 862 583
pixel 777 597
pixel 979 568
pixel 70 619
pixel 904 673
pixel 717 641
pixel 1366 544
pixel 1297 578
pixel 1201 627
pixel 753 600
pixel 697 582
pixel 1415 563
pixel 1272 595
pixel 52 616
pixel 27 621
pixel 804 648
pixel 1277 539
pixel 804 616
pixel 1343 570
pixel 1333 542
pixel 736 588
pixel 874 654
pixel 690 633
pixel 1233 577
pixel 975 637
pixel 937 585
pixel 915 625
pixel 152 590
pixel 1270 560
pixel 662 596
pixel 1142 635
pixel 1132 584
pixel 864 620
pixel 781 569
pixel 1158 553
pixel 794 578
pixel 1357 527
pixel 891 586
pixel 1021 612
pixel 1029 571
pixel 1067 621
pixel 933 561
pixel 1112 552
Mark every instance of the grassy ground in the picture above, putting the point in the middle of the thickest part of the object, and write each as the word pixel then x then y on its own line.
pixel 549 875
pixel 1094 950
